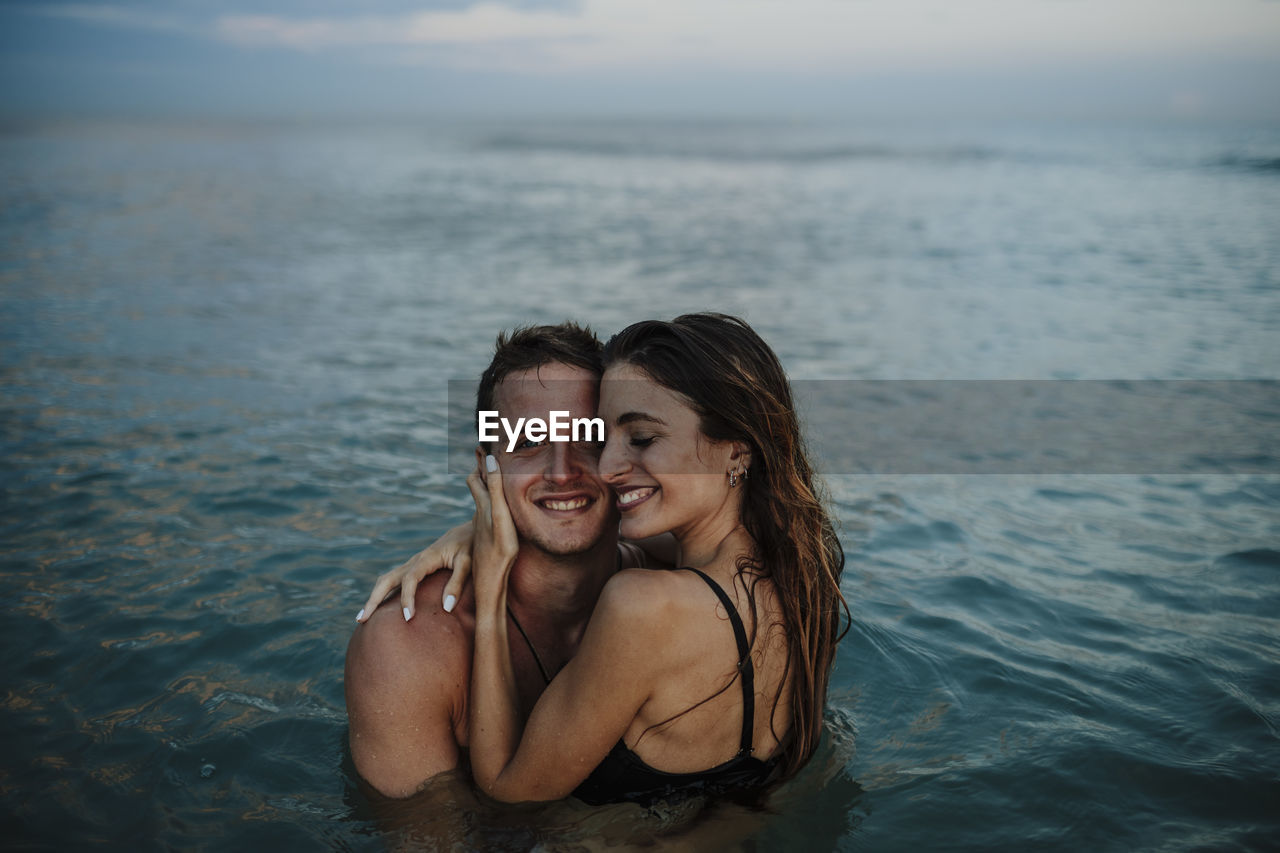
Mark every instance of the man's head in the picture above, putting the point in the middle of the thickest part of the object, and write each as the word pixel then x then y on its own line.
pixel 537 346
pixel 558 502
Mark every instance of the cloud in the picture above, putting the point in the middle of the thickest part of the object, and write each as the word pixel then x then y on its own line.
pixel 1186 57
pixel 125 17
pixel 483 23
pixel 797 35
pixel 787 36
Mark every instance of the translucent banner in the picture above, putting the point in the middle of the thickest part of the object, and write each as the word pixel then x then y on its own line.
pixel 1006 426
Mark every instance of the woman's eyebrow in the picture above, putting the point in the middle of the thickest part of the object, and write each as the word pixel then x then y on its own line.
pixel 631 417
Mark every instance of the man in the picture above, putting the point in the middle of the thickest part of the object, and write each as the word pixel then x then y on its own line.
pixel 408 672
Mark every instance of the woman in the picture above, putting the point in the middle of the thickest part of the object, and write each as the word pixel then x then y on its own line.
pixel 664 698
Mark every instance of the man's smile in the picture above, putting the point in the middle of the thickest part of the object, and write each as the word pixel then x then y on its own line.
pixel 566 504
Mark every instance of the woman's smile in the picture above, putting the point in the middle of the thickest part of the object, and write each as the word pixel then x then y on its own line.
pixel 631 496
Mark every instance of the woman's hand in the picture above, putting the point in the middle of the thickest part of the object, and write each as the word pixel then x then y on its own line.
pixel 450 551
pixel 494 716
pixel 494 547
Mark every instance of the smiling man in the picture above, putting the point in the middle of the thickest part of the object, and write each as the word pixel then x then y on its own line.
pixel 408 673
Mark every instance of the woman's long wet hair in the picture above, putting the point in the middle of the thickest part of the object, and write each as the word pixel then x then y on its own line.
pixel 733 380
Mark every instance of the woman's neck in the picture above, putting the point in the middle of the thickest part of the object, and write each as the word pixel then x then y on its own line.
pixel 711 542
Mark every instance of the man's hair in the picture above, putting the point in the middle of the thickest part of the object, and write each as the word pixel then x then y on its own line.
pixel 534 346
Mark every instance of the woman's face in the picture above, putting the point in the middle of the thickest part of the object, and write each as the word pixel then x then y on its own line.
pixel 667 475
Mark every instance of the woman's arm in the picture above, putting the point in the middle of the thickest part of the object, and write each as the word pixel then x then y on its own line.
pixel 450 551
pixel 587 707
pixel 494 733
pixel 453 551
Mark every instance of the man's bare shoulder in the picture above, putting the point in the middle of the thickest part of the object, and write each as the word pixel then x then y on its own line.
pixel 386 638
pixel 407 685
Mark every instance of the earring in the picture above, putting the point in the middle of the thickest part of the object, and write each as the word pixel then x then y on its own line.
pixel 733 479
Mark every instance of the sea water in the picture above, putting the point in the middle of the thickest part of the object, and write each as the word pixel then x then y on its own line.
pixel 226 349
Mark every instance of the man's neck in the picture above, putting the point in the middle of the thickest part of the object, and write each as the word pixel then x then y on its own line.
pixel 553 596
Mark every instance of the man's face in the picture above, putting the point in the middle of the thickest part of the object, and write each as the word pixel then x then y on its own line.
pixel 557 499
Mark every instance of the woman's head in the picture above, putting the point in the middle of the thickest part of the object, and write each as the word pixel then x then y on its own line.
pixel 668 475
pixel 736 394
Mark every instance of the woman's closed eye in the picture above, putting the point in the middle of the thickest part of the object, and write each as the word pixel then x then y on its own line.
pixel 642 440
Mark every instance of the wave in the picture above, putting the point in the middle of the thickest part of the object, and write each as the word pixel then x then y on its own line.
pixel 1248 163
pixel 731 152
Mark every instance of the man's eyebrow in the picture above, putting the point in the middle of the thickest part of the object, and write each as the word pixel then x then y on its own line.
pixel 631 417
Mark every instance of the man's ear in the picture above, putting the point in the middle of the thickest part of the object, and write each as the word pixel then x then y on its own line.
pixel 481 453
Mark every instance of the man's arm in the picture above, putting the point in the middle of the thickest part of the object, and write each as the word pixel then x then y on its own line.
pixel 406 686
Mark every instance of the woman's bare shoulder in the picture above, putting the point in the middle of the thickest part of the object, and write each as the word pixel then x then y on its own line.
pixel 659 611
pixel 642 591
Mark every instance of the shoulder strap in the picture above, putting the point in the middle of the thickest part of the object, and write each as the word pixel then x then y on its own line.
pixel 542 669
pixel 744 663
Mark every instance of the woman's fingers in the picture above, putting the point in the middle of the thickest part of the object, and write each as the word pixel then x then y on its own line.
pixel 454 586
pixel 497 498
pixel 504 529
pixel 382 589
pixel 420 565
pixel 408 589
pixel 495 531
pixel 480 494
pixel 449 551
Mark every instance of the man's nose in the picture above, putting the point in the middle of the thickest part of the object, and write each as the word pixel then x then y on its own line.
pixel 565 466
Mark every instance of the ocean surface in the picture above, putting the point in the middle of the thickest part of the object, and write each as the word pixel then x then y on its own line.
pixel 225 354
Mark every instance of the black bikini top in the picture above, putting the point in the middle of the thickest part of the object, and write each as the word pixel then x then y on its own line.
pixel 624 777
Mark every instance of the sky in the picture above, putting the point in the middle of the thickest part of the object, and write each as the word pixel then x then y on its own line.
pixel 297 58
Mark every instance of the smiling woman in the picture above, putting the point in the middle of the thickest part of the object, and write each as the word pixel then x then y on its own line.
pixel 658 436
pixel 663 700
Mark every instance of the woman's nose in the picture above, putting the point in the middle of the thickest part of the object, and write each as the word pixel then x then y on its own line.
pixel 613 461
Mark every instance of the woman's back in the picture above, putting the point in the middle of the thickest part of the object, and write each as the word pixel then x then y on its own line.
pixel 693 719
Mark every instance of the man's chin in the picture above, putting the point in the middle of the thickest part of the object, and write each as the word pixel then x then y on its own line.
pixel 565 546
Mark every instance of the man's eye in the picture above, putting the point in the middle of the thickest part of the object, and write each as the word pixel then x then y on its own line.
pixel 529 444
pixel 642 440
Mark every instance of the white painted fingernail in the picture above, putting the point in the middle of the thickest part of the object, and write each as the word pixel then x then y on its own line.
pixel 360 615
pixel 407 615
pixel 490 464
pixel 449 602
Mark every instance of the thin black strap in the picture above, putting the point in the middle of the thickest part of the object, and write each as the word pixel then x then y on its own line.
pixel 542 669
pixel 744 663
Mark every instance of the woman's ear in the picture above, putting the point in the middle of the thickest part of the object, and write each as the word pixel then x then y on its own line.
pixel 740 455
